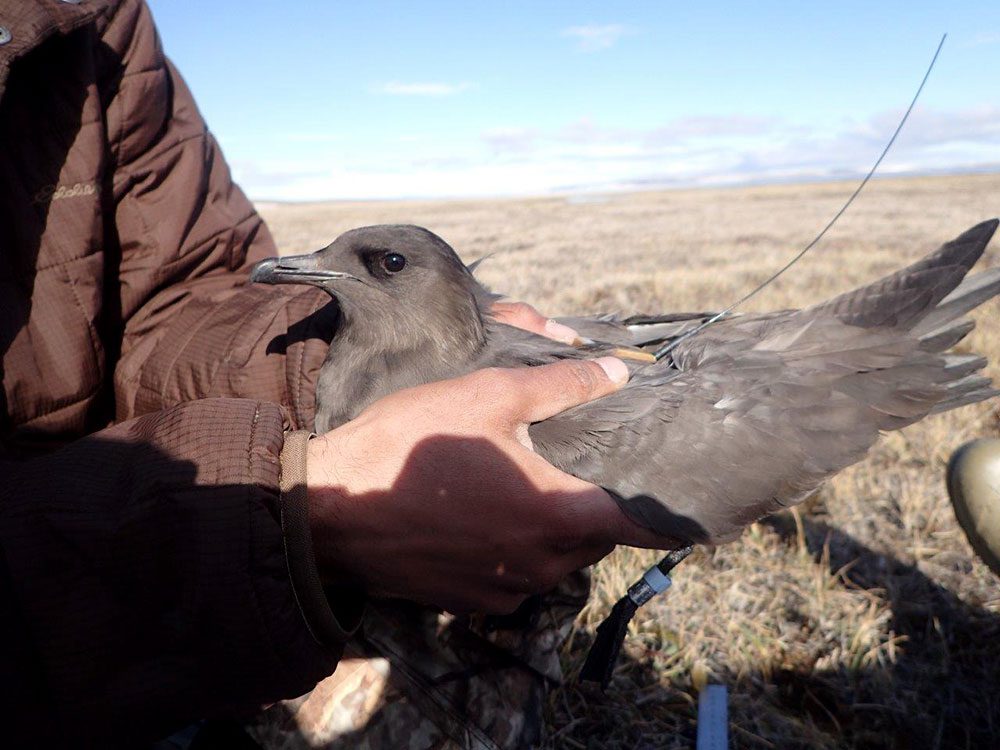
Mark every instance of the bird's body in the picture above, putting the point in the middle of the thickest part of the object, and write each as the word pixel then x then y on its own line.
pixel 746 417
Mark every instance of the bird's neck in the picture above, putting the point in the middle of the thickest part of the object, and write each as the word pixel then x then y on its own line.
pixel 371 358
pixel 441 329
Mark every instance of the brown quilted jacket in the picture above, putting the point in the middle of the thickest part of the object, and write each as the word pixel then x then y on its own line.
pixel 144 568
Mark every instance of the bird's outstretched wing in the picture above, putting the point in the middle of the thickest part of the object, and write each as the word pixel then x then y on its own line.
pixel 757 411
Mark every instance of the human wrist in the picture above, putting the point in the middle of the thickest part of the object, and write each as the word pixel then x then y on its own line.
pixel 328 506
pixel 331 611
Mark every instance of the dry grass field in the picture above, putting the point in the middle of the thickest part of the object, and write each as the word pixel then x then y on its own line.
pixel 861 619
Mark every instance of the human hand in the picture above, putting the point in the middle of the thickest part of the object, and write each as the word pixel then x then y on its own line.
pixel 523 315
pixel 433 493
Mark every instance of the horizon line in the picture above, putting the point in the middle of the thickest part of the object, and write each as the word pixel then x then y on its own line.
pixel 653 185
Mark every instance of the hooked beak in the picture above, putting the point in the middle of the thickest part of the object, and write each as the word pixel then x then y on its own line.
pixel 295 269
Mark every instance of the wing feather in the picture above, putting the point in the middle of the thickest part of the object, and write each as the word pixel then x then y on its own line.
pixel 756 412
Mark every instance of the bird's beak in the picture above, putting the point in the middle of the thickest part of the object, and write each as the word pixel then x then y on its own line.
pixel 295 269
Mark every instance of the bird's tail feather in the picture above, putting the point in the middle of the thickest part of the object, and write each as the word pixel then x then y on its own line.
pixel 926 295
pixel 959 365
pixel 927 301
pixel 968 390
pixel 971 293
pixel 945 338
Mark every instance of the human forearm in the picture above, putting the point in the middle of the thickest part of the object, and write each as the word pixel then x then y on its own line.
pixel 256 342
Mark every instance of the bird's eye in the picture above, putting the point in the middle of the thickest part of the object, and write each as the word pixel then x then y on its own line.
pixel 393 262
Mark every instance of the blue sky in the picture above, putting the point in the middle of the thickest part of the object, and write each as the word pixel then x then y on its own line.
pixel 350 100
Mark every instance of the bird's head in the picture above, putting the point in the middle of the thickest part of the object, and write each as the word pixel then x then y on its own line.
pixel 394 282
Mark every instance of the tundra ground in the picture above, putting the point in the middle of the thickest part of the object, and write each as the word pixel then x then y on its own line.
pixel 860 620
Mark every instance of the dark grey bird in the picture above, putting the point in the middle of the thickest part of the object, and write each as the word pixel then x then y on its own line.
pixel 742 419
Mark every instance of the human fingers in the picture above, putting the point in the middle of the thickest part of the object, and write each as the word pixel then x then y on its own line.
pixel 523 315
pixel 547 390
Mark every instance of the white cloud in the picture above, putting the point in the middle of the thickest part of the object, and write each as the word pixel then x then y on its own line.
pixel 929 127
pixel 585 155
pixel 396 88
pixel 596 37
pixel 511 139
pixel 711 126
pixel 680 130
pixel 984 38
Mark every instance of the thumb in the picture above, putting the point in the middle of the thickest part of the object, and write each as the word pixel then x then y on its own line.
pixel 550 389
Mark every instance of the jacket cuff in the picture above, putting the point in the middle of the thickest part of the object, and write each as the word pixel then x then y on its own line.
pixel 332 615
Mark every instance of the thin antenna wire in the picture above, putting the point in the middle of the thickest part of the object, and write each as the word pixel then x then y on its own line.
pixel 669 347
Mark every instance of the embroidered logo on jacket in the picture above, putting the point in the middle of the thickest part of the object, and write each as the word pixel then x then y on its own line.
pixel 58 192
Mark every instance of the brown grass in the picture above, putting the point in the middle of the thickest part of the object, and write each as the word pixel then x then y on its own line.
pixel 862 619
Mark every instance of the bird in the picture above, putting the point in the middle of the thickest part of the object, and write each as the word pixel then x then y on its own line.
pixel 742 419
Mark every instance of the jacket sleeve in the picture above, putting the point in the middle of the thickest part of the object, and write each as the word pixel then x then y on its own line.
pixel 151 588
pixel 192 325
